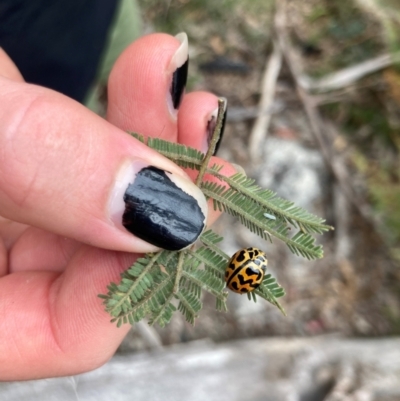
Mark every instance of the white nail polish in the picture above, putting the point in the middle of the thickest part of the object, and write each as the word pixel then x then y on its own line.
pixel 125 176
pixel 181 54
pixel 178 69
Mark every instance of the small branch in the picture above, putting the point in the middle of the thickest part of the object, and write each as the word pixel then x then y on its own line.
pixel 349 75
pixel 179 270
pixel 149 335
pixel 337 80
pixel 214 140
pixel 318 126
pixel 343 243
pixel 260 128
pixel 239 114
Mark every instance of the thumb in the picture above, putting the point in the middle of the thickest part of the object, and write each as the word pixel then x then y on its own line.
pixel 68 171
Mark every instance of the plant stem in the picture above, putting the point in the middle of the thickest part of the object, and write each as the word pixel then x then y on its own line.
pixel 179 270
pixel 214 140
pixel 137 281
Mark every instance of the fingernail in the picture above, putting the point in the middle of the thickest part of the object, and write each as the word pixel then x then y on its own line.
pixel 162 208
pixel 211 123
pixel 178 66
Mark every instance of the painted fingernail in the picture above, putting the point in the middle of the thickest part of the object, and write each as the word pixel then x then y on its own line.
pixel 179 68
pixel 211 123
pixel 162 208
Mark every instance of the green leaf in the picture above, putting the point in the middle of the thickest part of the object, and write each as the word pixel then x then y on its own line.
pixel 275 206
pixel 182 155
pixel 158 284
pixel 249 214
pixel 213 262
pixel 189 305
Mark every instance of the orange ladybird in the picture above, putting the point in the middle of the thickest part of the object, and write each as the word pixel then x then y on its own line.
pixel 245 270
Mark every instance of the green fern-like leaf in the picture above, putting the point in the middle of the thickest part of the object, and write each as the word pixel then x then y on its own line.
pixel 139 137
pixel 252 216
pixel 214 263
pixel 272 204
pixel 147 288
pixel 211 239
pixel 267 200
pixel 158 284
pixel 182 155
pixel 163 315
pixel 189 304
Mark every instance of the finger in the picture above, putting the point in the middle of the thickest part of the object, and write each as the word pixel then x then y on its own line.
pixel 10 231
pixel 37 249
pixel 196 120
pixel 8 69
pixel 197 112
pixel 146 86
pixel 55 325
pixel 65 170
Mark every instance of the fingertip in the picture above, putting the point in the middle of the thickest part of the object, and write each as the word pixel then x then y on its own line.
pixel 194 118
pixel 139 87
pixel 8 69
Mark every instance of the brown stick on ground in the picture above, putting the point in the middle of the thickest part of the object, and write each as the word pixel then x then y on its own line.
pixel 321 129
pixel 260 127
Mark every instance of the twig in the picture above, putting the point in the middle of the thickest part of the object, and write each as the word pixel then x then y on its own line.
pixel 338 79
pixel 318 126
pixel 239 114
pixel 349 75
pixel 260 128
pixel 214 140
pixel 149 335
pixel 343 243
pixel 179 270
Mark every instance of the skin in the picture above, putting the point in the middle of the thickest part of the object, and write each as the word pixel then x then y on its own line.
pixel 58 248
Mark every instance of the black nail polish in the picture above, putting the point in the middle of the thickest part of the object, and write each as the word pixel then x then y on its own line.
pixel 179 78
pixel 159 211
pixel 210 129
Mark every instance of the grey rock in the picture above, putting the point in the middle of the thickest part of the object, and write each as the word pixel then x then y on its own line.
pixel 274 369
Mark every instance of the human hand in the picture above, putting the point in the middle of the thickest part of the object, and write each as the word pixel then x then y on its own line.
pixel 61 237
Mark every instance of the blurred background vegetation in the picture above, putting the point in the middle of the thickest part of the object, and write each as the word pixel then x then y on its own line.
pixel 356 291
